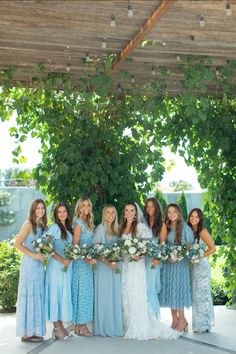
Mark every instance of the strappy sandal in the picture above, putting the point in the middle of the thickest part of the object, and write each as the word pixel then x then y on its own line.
pixel 58 333
pixel 84 331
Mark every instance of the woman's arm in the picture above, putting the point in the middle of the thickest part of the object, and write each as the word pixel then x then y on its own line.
pixel 76 235
pixel 163 233
pixel 19 243
pixel 206 237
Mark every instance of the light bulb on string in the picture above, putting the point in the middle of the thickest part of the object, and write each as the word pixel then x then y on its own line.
pixel 228 9
pixel 104 43
pixel 113 21
pixel 153 70
pixel 132 79
pixel 68 67
pixel 202 21
pixel 130 10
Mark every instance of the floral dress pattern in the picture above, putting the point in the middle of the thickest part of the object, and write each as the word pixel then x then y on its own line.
pixel 30 315
pixel 82 282
pixel 202 305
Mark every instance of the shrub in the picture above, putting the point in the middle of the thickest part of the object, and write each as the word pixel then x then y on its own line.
pixel 10 259
pixel 160 197
pixel 182 203
pixel 218 293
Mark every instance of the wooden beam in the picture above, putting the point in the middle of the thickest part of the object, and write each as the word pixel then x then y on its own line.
pixel 143 31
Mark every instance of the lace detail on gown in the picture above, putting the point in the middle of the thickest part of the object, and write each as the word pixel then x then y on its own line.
pixel 138 321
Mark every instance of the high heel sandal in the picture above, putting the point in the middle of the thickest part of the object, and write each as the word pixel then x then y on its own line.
pixel 182 326
pixel 174 323
pixel 82 330
pixel 58 333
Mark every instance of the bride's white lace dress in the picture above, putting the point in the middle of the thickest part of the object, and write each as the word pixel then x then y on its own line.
pixel 139 323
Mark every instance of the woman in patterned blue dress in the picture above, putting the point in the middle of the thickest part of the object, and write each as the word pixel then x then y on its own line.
pixel 107 283
pixel 154 217
pixel 82 276
pixel 202 306
pixel 175 276
pixel 30 315
pixel 58 306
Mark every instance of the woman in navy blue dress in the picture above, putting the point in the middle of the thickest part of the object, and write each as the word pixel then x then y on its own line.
pixel 30 315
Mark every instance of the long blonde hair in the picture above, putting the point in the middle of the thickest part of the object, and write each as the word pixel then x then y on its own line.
pixel 78 212
pixel 113 229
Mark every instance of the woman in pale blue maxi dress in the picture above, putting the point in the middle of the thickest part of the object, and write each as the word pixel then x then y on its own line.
pixel 202 305
pixel 107 285
pixel 82 275
pixel 175 277
pixel 58 298
pixel 154 218
pixel 30 315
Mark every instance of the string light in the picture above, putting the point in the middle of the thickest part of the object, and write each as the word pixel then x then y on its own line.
pixel 68 67
pixel 178 58
pixel 87 59
pixel 119 88
pixel 104 43
pixel 192 37
pixel 228 9
pixel 130 10
pixel 202 21
pixel 132 79
pixel 153 70
pixel 113 21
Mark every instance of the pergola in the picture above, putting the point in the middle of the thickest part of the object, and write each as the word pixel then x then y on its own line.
pixel 145 35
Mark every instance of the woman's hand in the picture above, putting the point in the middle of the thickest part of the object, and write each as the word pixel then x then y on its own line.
pixel 113 265
pixel 39 257
pixel 90 261
pixel 66 262
pixel 155 262
pixel 137 258
pixel 171 260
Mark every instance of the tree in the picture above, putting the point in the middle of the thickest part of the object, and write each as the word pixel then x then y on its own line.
pixel 6 217
pixel 181 185
pixel 181 201
pixel 162 200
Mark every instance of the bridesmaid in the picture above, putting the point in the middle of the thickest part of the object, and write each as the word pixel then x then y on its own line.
pixel 30 315
pixel 202 306
pixel 175 277
pixel 58 305
pixel 154 217
pixel 82 278
pixel 107 307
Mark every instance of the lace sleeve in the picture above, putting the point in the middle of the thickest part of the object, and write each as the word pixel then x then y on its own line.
pixel 143 231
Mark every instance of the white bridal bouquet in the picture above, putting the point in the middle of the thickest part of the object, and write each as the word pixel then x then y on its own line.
pixel 176 252
pixel 195 252
pixel 135 247
pixel 44 245
pixel 113 253
pixel 156 251
pixel 72 252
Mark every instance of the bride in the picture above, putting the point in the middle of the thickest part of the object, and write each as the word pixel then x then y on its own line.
pixel 139 322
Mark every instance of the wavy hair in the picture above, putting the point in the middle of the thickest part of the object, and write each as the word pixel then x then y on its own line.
pixel 123 221
pixel 179 222
pixel 78 212
pixel 113 229
pixel 32 217
pixel 199 225
pixel 158 216
pixel 67 226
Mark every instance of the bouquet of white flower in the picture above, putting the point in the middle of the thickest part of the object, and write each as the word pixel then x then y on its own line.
pixel 176 252
pixel 44 245
pixel 91 251
pixel 135 247
pixel 72 252
pixel 113 253
pixel 195 252
pixel 156 251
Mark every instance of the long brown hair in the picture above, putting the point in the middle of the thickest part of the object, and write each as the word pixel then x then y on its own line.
pixel 78 212
pixel 158 216
pixel 199 225
pixel 67 226
pixel 179 222
pixel 32 217
pixel 123 221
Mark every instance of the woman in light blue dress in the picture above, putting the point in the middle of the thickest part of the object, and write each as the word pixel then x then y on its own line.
pixel 107 283
pixel 154 217
pixel 30 315
pixel 175 276
pixel 202 305
pixel 58 299
pixel 82 277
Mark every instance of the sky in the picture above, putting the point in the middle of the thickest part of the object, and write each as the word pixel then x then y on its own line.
pixel 31 146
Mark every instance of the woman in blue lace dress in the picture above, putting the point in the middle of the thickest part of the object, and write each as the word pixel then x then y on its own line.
pixel 202 306
pixel 58 297
pixel 30 315
pixel 154 217
pixel 175 276
pixel 82 277
pixel 107 283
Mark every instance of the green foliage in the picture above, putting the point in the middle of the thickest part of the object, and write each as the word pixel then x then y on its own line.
pixel 10 260
pixel 162 200
pixel 182 203
pixel 6 217
pixel 181 185
pixel 218 293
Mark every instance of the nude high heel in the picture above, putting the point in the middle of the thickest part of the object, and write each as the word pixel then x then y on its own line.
pixel 182 326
